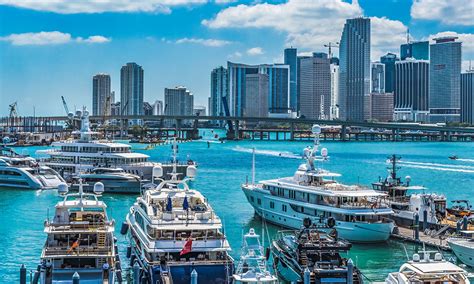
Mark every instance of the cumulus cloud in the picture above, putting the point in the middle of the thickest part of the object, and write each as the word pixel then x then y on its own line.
pixel 50 38
pixel 449 12
pixel 255 51
pixel 206 42
pixel 466 39
pixel 100 6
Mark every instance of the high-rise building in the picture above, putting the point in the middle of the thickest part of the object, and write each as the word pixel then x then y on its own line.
pixel 101 94
pixel 315 88
pixel 378 77
pixel 354 68
pixel 199 111
pixel 389 61
pixel 112 97
pixel 178 101
pixel 291 59
pixel 298 79
pixel 417 50
pixel 147 108
pixel 256 90
pixel 378 107
pixel 467 97
pixel 131 89
pixel 334 113
pixel 411 90
pixel 158 107
pixel 219 91
pixel 445 81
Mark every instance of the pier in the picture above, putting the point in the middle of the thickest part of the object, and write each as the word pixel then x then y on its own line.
pixel 409 235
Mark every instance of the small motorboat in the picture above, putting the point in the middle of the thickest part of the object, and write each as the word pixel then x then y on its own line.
pixel 453 157
pixel 460 208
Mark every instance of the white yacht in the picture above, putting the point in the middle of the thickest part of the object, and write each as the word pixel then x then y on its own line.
pixel 463 247
pixel 428 268
pixel 80 238
pixel 115 180
pixel 23 172
pixel 252 266
pixel 359 214
pixel 173 231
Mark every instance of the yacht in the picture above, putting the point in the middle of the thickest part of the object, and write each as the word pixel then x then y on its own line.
pixel 463 247
pixel 80 238
pixel 23 172
pixel 173 231
pixel 405 203
pixel 312 255
pixel 359 214
pixel 428 267
pixel 252 266
pixel 115 180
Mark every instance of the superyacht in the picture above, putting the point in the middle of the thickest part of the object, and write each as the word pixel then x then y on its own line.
pixel 359 214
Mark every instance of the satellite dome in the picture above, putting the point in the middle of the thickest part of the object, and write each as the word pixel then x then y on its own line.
pixel 78 113
pixel 157 171
pixel 324 152
pixel 416 257
pixel 252 231
pixel 191 171
pixel 98 188
pixel 6 140
pixel 316 129
pixel 438 256
pixel 408 178
pixel 63 189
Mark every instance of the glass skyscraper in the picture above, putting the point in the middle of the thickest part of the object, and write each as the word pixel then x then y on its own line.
pixel 389 60
pixel 419 50
pixel 100 92
pixel 378 77
pixel 290 59
pixel 131 89
pixel 219 91
pixel 467 97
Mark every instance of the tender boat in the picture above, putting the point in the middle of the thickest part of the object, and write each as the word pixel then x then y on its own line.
pixel 360 214
pixel 428 267
pixel 252 266
pixel 80 239
pixel 460 208
pixel 312 255
pixel 174 231
pixel 463 247
pixel 115 180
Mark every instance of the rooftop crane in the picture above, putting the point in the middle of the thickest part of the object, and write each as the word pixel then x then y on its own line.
pixel 13 114
pixel 331 45
pixel 65 105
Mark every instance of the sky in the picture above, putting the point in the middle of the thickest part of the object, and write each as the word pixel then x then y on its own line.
pixel 52 48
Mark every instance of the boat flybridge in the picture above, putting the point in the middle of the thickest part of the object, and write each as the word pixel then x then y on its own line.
pixel 428 267
pixel 174 231
pixel 359 214
pixel 20 171
pixel 80 239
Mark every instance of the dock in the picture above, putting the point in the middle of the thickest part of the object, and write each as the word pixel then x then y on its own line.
pixel 409 235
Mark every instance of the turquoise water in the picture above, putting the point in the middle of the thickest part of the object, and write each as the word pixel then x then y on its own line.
pixel 223 167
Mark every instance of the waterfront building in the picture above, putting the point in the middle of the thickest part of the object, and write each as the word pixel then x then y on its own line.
pixel 147 108
pixel 178 101
pixel 334 112
pixel 199 111
pixel 219 91
pixel 378 77
pixel 256 89
pixel 417 50
pixel 291 59
pixel 389 61
pixel 315 88
pixel 467 97
pixel 354 70
pixel 131 89
pixel 411 90
pixel 298 79
pixel 158 107
pixel 378 107
pixel 101 94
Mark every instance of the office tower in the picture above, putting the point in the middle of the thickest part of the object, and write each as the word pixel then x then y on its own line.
pixel 219 91
pixel 290 59
pixel 417 50
pixel 315 88
pixel 378 107
pixel 411 90
pixel 445 81
pixel 378 77
pixel 334 112
pixel 131 89
pixel 389 61
pixel 147 108
pixel 256 90
pixel 112 97
pixel 178 101
pixel 467 97
pixel 354 68
pixel 199 110
pixel 101 94
pixel 298 79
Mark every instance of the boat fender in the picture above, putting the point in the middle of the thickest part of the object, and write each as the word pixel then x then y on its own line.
pixel 118 266
pixel 124 228
pixel 36 276
pixel 115 239
pixel 331 222
pixel 129 251
pixel 267 253
pixel 132 260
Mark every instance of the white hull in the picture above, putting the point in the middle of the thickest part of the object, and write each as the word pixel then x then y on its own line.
pixel 463 249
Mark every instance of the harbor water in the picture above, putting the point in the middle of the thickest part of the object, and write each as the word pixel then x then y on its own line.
pixel 224 166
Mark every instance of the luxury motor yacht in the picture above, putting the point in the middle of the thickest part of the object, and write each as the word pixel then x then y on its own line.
pixel 23 172
pixel 173 231
pixel 115 180
pixel 428 267
pixel 252 266
pixel 360 214
pixel 463 247
pixel 80 238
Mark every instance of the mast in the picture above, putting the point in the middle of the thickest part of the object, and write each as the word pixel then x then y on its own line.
pixel 253 166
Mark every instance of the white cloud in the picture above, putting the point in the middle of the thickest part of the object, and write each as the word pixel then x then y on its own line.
pixel 235 55
pixel 255 51
pixel 50 38
pixel 449 12
pixel 386 36
pixel 466 39
pixel 100 6
pixel 206 42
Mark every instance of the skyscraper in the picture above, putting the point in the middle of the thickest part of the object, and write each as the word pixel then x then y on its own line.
pixel 378 77
pixel 290 59
pixel 256 90
pixel 101 94
pixel 219 91
pixel 389 60
pixel 378 107
pixel 178 101
pixel 467 97
pixel 445 80
pixel 334 90
pixel 417 50
pixel 411 90
pixel 131 89
pixel 354 68
pixel 315 88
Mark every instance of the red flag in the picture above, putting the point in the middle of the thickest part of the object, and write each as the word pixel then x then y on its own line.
pixel 187 247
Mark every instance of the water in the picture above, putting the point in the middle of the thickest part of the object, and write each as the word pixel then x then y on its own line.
pixel 223 167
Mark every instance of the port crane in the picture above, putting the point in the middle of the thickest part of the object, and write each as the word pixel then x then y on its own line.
pixel 13 114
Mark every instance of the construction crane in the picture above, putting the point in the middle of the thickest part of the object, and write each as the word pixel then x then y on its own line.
pixel 13 114
pixel 331 45
pixel 65 105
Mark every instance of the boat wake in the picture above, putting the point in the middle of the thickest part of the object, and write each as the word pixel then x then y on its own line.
pixel 466 160
pixel 284 154
pixel 438 167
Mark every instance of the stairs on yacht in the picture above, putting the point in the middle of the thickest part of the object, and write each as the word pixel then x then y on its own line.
pixel 303 258
pixel 101 238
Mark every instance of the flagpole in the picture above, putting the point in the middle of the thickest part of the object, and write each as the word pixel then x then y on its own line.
pixel 253 166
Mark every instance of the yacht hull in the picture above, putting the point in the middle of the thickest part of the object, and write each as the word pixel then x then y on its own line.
pixel 462 251
pixel 115 186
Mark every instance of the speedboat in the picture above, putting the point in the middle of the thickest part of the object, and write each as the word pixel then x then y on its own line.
pixel 360 214
pixel 460 208
pixel 115 180
pixel 252 266
pixel 428 267
pixel 453 157
pixel 80 239
pixel 463 247
pixel 313 253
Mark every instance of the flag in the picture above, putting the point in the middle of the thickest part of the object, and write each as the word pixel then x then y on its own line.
pixel 169 204
pixel 185 203
pixel 187 247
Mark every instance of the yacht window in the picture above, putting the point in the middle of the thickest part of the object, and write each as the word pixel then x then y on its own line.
pixel 259 201
pixel 283 208
pixel 252 199
pixel 272 204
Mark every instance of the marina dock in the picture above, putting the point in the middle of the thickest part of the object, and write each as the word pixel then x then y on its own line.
pixel 409 235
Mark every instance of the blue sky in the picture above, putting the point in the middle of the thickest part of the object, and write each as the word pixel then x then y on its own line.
pixel 50 48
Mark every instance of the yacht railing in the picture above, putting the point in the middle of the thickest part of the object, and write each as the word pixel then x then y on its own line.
pixel 79 251
pixel 181 216
pixel 67 226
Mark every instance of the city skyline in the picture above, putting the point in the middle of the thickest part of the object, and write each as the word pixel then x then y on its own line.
pixel 67 41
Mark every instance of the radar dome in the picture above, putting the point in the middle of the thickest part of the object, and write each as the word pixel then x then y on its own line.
pixel 416 257
pixel 63 188
pixel 408 178
pixel 438 256
pixel 6 140
pixel 70 115
pixel 98 188
pixel 78 113
pixel 191 171
pixel 316 129
pixel 86 113
pixel 252 231
pixel 324 152
pixel 157 171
